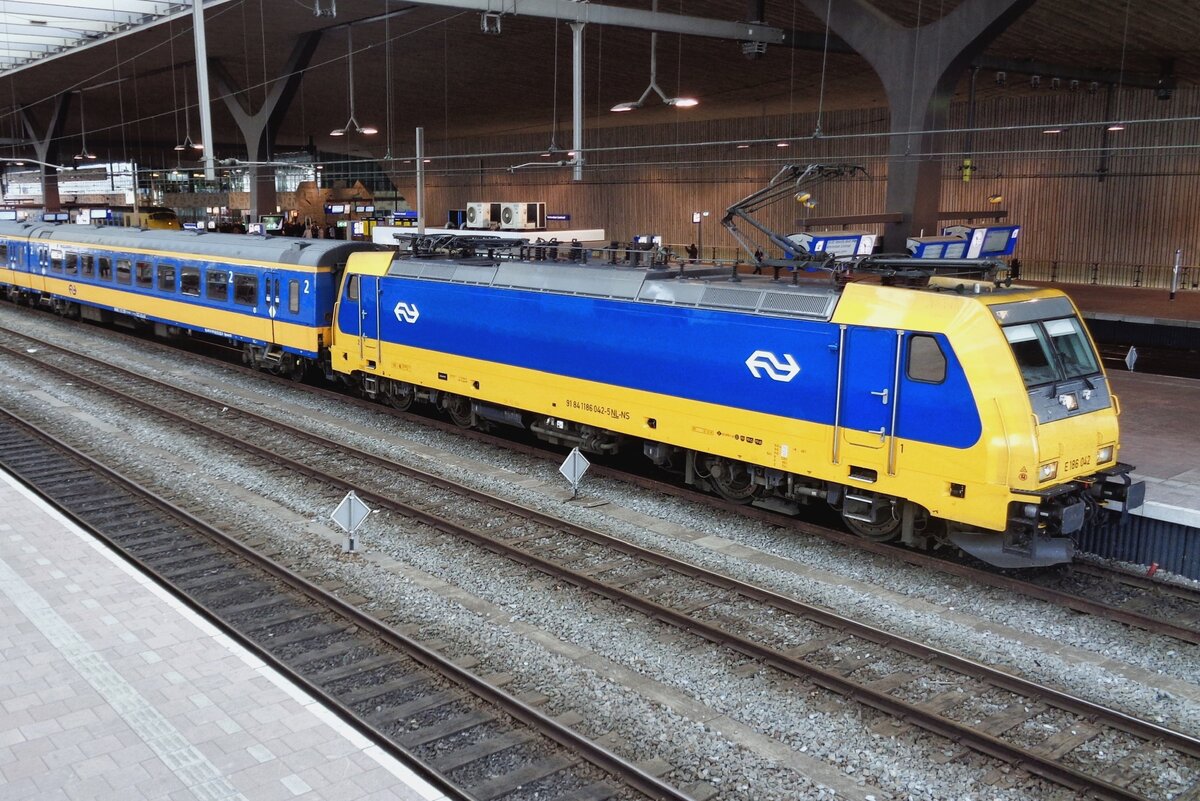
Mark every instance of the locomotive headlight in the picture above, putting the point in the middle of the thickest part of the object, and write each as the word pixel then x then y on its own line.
pixel 1047 471
pixel 1105 454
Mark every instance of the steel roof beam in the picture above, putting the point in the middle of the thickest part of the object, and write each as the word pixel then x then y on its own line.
pixel 598 14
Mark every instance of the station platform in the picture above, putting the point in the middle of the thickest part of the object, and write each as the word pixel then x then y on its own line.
pixel 112 689
pixel 1158 436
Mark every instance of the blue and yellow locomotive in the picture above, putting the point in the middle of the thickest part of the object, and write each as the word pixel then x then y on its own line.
pixel 932 415
pixel 273 297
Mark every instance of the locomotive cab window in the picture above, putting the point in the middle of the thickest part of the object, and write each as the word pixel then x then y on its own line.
pixel 105 268
pixel 245 289
pixel 1051 350
pixel 1071 346
pixel 124 271
pixel 926 362
pixel 166 277
pixel 145 274
pixel 189 281
pixel 352 288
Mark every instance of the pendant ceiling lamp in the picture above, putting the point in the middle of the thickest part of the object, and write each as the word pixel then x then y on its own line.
pixel 84 153
pixel 351 124
pixel 678 102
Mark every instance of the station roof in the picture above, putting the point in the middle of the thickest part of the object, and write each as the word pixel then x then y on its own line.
pixel 435 66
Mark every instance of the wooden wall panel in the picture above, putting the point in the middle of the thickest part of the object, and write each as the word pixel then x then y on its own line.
pixel 1085 195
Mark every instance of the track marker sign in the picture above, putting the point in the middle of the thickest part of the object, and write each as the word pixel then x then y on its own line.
pixel 573 468
pixel 350 514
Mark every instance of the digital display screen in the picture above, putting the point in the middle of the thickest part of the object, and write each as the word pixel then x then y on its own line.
pixel 271 222
pixel 364 209
pixel 956 250
pixel 335 208
pixel 996 241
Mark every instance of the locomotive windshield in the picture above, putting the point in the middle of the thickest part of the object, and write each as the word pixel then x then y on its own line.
pixel 1049 351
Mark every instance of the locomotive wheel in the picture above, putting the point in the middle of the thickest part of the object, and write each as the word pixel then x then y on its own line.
pixel 400 395
pixel 876 532
pixel 731 480
pixel 459 409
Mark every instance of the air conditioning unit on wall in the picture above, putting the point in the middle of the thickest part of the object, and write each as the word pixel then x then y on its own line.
pixel 478 215
pixel 523 216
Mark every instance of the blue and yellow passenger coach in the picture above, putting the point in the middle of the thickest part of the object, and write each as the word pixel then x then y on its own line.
pixel 981 418
pixel 272 296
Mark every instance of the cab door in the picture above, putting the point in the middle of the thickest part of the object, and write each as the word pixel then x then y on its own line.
pixel 369 320
pixel 865 421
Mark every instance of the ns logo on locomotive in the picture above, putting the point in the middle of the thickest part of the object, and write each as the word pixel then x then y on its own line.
pixel 980 419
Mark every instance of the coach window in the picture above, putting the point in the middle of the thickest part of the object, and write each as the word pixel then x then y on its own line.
pixel 87 268
pixel 352 288
pixel 166 277
pixel 3 251
pixel 294 297
pixel 216 286
pixel 245 289
pixel 105 268
pixel 124 271
pixel 145 274
pixel 72 263
pixel 189 281
pixel 56 260
pixel 926 362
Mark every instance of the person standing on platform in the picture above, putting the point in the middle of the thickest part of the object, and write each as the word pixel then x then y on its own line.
pixel 693 252
pixel 758 257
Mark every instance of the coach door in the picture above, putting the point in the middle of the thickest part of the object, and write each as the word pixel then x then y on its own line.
pixel 865 419
pixel 368 304
pixel 273 302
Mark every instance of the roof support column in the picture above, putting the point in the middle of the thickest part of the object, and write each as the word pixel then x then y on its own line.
pixel 919 68
pixel 577 100
pixel 259 128
pixel 202 97
pixel 47 147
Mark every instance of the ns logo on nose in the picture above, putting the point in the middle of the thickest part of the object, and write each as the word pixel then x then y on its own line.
pixel 763 361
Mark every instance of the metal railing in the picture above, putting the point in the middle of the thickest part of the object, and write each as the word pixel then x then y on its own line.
pixel 1147 276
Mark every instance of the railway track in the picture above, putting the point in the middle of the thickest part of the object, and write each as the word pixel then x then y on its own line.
pixel 1042 730
pixel 1151 605
pixel 463 731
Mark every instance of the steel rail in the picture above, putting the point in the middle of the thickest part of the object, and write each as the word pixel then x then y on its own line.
pixel 608 761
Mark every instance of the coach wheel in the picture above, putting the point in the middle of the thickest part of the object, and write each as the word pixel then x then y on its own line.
pixel 400 395
pixel 732 480
pixel 292 367
pixel 459 409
